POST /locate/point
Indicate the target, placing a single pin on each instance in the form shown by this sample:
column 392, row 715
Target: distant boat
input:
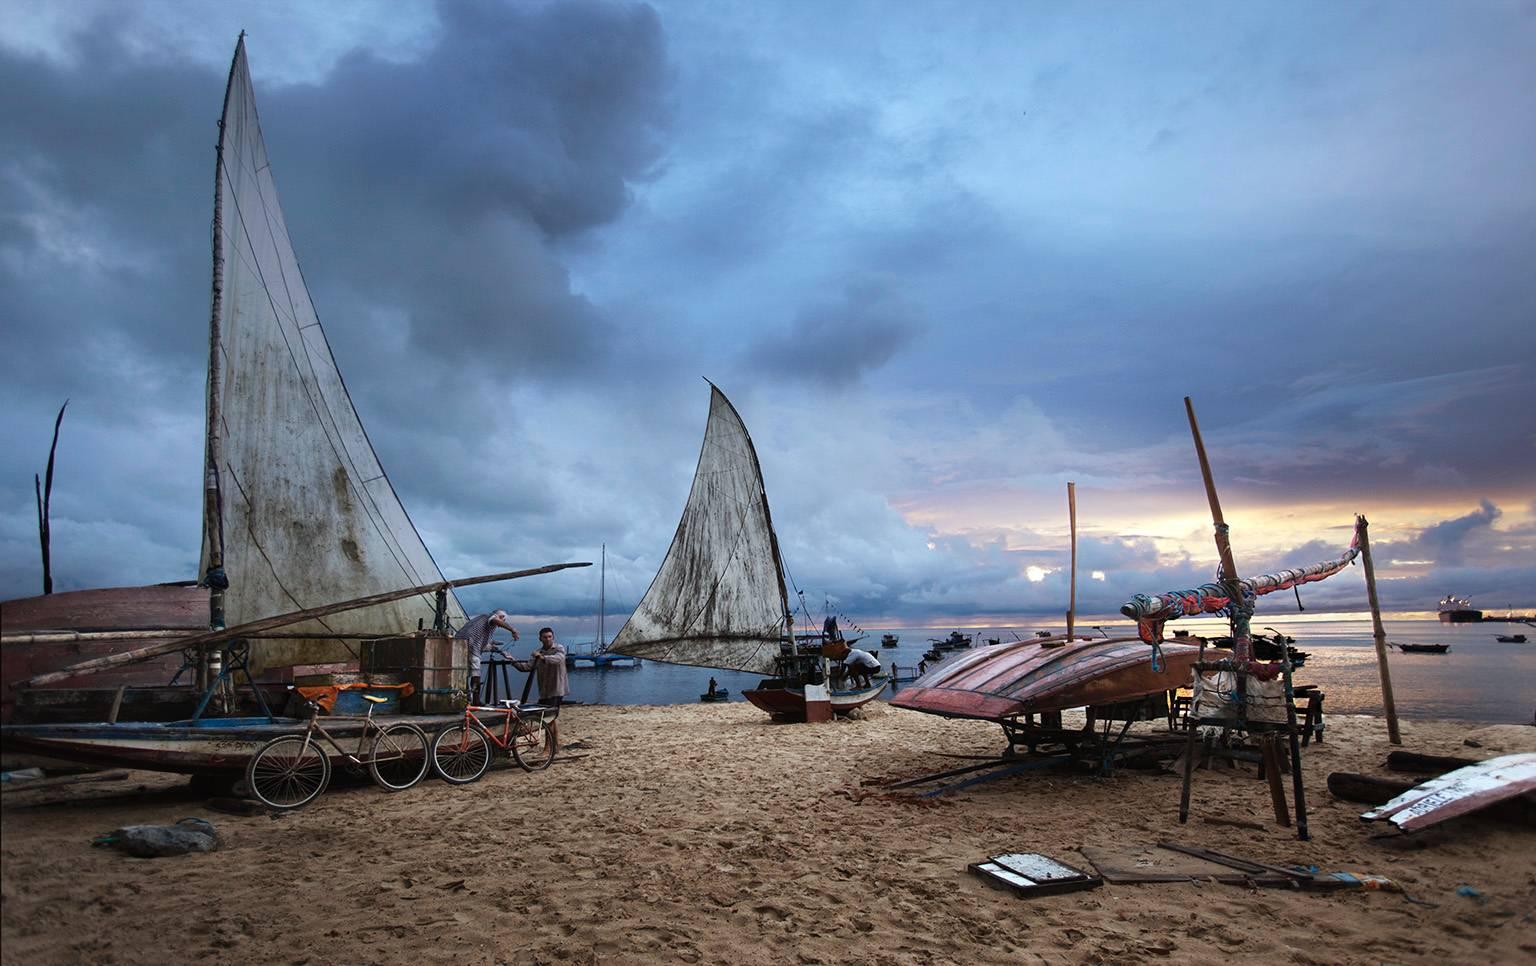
column 1422, row 648
column 956, row 641
column 719, row 694
column 600, row 658
column 1511, row 638
column 1458, row 610
column 719, row 598
column 889, row 640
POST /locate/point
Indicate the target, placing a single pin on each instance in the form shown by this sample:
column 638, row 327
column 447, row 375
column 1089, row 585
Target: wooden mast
column 213, row 511
column 1387, row 702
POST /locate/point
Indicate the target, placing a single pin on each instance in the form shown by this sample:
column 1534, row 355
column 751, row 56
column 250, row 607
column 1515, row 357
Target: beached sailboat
column 719, row 598
column 297, row 512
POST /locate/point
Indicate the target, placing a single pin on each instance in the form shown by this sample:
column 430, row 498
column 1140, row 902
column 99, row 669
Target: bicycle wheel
column 533, row 745
column 288, row 772
column 399, row 758
column 460, row 754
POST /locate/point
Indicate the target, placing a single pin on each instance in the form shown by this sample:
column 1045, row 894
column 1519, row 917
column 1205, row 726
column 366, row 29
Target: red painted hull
column 173, row 608
column 789, row 703
column 1029, row 677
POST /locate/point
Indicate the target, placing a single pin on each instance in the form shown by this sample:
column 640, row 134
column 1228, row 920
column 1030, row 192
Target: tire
column 400, row 757
column 535, row 748
column 460, row 754
column 288, row 772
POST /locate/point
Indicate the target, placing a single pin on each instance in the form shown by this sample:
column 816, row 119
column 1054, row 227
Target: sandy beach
column 708, row 834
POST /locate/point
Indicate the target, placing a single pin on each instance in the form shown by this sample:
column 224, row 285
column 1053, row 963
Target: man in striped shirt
column 476, row 632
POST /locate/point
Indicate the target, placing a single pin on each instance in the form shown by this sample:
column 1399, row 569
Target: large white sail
column 718, row 599
column 308, row 516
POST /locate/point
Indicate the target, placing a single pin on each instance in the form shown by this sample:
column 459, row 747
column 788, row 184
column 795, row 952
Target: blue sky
column 943, row 258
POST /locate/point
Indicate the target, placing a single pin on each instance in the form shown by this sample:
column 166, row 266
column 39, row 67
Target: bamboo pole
column 281, row 620
column 1390, row 706
column 1072, row 515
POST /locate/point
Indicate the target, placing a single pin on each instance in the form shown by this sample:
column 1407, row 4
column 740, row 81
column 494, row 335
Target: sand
column 708, row 834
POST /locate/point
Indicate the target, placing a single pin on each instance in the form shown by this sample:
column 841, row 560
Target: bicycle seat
column 375, row 700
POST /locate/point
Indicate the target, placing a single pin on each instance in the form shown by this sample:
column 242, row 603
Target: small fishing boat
column 956, row 641
column 719, row 694
column 889, row 640
column 1421, row 648
column 1511, row 638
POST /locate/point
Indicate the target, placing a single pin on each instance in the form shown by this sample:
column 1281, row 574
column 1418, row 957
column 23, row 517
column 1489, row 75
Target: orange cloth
column 325, row 695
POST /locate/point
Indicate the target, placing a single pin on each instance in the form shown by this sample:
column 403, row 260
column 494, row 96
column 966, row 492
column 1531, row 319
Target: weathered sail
column 718, row 599
column 308, row 516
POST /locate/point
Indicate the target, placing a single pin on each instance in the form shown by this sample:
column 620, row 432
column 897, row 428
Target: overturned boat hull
column 1459, row 792
column 1048, row 674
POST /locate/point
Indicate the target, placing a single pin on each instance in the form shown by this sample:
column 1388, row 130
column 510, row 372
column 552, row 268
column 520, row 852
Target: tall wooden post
column 1387, row 703
column 1072, row 516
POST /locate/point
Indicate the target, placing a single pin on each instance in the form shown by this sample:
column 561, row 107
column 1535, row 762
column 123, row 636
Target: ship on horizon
column 1458, row 610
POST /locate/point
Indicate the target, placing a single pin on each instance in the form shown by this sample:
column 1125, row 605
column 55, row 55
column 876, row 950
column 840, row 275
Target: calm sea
column 1479, row 679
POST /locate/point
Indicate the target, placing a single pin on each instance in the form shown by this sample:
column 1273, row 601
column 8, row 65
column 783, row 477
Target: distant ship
column 1458, row 610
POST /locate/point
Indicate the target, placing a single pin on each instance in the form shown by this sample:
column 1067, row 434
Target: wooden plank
column 283, row 620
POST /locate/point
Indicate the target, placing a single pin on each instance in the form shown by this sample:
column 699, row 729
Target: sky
column 944, row 258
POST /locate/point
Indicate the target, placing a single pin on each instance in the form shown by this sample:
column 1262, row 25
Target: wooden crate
column 435, row 665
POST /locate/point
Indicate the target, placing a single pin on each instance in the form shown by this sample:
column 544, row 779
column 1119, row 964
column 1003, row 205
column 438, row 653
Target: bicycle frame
column 525, row 724
column 369, row 728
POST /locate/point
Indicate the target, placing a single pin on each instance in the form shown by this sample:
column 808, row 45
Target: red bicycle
column 461, row 753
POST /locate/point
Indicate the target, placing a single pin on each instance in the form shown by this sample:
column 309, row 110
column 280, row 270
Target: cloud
column 843, row 338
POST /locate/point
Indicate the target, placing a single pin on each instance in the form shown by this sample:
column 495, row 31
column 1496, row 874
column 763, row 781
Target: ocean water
column 1479, row 679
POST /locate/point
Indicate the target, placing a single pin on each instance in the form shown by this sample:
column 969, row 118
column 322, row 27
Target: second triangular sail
column 718, row 599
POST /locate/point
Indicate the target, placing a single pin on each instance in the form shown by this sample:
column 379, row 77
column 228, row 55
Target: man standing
column 554, row 684
column 476, row 632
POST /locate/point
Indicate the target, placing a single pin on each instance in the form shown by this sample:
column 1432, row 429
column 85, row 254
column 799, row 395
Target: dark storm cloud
column 857, row 331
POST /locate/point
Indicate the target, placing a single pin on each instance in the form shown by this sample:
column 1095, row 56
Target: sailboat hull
column 211, row 746
column 788, row 704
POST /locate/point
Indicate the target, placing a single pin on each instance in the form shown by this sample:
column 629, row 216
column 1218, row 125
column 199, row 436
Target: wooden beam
column 1387, row 703
column 253, row 628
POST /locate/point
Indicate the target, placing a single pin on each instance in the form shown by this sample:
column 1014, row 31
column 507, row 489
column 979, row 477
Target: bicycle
column 290, row 771
column 461, row 753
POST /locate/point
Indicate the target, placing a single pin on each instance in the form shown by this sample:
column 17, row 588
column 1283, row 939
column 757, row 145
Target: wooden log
column 93, row 776
column 1366, row 789
column 281, row 620
column 1434, row 764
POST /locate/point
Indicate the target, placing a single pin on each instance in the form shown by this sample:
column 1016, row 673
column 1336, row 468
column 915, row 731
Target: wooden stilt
column 1270, row 749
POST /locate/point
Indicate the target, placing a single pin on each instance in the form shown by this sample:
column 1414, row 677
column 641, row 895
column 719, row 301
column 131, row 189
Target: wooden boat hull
column 1032, row 676
column 1424, row 648
column 50, row 632
column 788, row 704
column 1459, row 792
column 208, row 747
